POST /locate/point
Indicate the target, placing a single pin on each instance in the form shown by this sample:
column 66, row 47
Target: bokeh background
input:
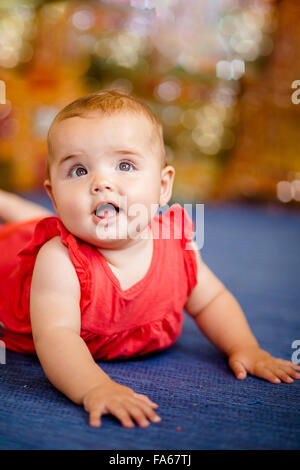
column 218, row 73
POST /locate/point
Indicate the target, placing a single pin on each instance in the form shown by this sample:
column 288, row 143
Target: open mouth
column 106, row 210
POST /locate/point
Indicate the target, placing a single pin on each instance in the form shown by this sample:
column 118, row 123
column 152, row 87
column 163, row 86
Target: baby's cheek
column 71, row 210
column 73, row 202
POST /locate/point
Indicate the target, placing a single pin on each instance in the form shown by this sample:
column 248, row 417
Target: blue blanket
column 255, row 252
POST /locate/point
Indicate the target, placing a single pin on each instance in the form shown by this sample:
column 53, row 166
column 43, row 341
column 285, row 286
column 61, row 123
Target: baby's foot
column 14, row 208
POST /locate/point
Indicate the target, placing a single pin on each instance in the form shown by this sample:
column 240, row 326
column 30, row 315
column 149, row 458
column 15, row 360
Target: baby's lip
column 102, row 203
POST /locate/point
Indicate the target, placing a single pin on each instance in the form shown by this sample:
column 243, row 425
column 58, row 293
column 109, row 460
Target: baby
column 97, row 282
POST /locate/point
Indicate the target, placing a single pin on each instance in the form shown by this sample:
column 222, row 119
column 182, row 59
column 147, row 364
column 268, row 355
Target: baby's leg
column 14, row 208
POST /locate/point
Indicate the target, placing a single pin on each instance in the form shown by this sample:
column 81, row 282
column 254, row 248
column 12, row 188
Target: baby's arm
column 219, row 316
column 64, row 356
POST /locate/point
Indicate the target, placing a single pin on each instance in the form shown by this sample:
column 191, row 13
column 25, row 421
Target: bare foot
column 14, row 208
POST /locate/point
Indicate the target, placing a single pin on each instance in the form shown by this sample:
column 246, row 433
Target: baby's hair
column 107, row 102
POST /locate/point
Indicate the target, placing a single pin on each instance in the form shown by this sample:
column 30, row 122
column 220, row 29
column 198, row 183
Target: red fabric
column 115, row 323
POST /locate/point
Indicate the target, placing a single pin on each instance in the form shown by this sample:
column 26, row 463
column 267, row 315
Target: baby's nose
column 101, row 184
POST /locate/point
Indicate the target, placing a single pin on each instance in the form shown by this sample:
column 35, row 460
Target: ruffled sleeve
column 45, row 230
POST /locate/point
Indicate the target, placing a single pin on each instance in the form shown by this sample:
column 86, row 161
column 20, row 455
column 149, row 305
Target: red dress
column 115, row 323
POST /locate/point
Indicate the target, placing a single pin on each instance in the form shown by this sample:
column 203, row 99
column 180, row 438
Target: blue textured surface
column 255, row 252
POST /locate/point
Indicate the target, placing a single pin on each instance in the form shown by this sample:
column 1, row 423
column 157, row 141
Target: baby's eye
column 126, row 166
column 77, row 171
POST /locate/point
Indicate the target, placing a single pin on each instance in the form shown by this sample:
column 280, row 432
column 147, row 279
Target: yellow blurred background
column 222, row 75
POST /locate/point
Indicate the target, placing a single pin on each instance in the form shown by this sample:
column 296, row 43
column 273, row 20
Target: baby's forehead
column 144, row 136
column 62, row 132
column 131, row 116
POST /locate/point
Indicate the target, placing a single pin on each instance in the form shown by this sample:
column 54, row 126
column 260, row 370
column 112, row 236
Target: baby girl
column 99, row 281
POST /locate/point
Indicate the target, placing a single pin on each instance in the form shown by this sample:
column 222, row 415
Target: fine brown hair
column 107, row 102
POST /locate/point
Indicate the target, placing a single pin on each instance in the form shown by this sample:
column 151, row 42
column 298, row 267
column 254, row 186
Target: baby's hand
column 260, row 363
column 120, row 401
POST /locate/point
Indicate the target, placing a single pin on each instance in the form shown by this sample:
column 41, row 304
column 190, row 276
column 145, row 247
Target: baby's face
column 113, row 159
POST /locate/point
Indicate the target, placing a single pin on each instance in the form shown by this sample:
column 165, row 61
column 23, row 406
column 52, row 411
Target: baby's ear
column 167, row 179
column 48, row 188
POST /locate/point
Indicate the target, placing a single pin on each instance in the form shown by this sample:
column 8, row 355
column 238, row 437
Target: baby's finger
column 145, row 398
column 238, row 369
column 147, row 410
column 137, row 413
column 290, row 371
column 95, row 420
column 289, row 363
column 282, row 374
column 266, row 374
column 121, row 413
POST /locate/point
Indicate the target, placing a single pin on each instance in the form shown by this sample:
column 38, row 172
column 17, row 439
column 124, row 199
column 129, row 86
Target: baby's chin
column 111, row 235
column 106, row 240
